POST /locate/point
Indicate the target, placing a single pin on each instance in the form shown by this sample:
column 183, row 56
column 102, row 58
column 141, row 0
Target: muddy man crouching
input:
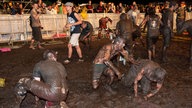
column 145, row 71
column 49, row 81
column 187, row 25
column 102, row 61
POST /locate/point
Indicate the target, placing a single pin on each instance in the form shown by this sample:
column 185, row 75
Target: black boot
column 21, row 90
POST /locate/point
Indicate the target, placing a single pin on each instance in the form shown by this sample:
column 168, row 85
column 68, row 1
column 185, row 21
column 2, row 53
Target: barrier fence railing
column 16, row 27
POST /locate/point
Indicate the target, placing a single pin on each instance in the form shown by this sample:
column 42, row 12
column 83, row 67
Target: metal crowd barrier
column 16, row 28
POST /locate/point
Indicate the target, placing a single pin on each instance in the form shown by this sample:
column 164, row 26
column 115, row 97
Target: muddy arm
column 110, row 20
column 144, row 21
column 127, row 56
column 117, row 29
column 182, row 28
column 112, row 67
column 86, row 35
column 139, row 76
column 154, row 91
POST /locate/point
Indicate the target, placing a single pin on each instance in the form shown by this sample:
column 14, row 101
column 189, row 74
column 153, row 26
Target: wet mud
column 175, row 93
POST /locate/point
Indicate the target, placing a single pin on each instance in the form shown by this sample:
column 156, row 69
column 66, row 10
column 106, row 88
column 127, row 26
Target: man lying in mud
column 145, row 71
column 49, row 81
column 187, row 25
column 102, row 61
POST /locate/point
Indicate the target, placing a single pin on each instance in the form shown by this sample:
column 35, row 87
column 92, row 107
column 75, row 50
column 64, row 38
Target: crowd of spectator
column 59, row 8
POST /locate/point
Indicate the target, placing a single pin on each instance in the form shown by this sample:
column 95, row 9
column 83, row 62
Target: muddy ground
column 175, row 93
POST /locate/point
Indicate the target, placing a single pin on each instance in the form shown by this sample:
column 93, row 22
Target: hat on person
column 69, row 4
column 58, row 2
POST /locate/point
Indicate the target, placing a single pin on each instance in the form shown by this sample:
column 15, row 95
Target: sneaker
column 80, row 60
column 67, row 61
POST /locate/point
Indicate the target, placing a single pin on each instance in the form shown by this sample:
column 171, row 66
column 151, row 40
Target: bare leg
column 149, row 54
column 39, row 45
column 99, row 34
column 111, row 75
column 70, row 50
column 32, row 44
column 78, row 49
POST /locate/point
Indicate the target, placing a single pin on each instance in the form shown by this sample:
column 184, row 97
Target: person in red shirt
column 103, row 26
column 89, row 7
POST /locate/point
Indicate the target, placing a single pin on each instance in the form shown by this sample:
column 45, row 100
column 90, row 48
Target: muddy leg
column 20, row 91
column 146, row 85
column 190, row 67
column 111, row 74
column 129, row 78
column 99, row 34
column 164, row 55
column 32, row 44
column 153, row 51
column 95, row 84
column 89, row 42
column 149, row 54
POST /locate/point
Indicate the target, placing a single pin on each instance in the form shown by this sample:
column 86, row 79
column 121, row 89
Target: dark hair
column 123, row 16
column 151, row 11
column 160, row 74
column 172, row 3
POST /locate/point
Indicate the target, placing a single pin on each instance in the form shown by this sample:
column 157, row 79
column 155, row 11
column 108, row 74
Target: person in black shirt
column 167, row 28
column 87, row 30
column 153, row 22
column 74, row 24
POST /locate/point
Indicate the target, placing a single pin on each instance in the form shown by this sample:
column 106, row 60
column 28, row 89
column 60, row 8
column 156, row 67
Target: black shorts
column 151, row 41
column 36, row 34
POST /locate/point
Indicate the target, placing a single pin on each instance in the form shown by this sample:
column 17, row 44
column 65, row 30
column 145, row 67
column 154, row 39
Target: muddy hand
column 145, row 98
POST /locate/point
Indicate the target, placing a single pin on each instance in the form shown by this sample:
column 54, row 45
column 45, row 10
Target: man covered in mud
column 124, row 30
column 49, row 81
column 187, row 25
column 102, row 61
column 145, row 71
column 167, row 27
column 87, row 30
column 153, row 22
column 103, row 26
